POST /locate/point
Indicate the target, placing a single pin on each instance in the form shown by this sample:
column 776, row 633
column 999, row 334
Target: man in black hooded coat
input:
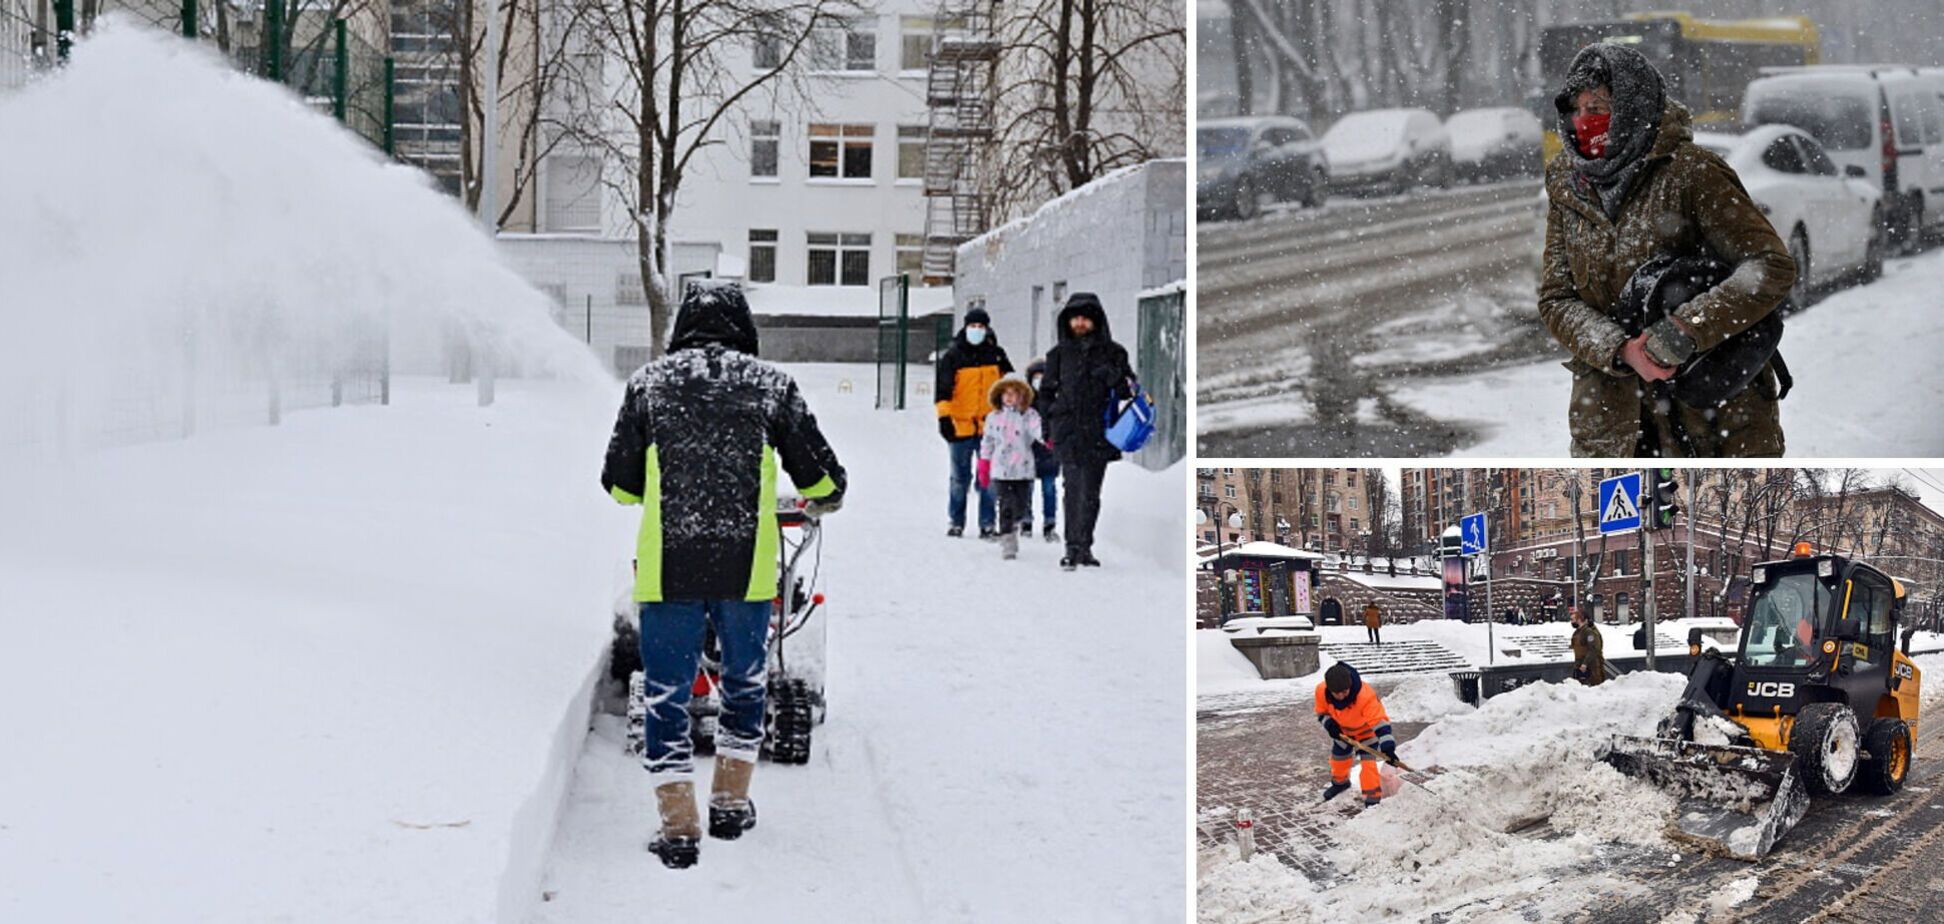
column 702, row 436
column 1086, row 373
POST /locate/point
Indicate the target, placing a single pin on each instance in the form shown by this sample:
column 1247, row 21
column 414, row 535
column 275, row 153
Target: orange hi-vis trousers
column 1340, row 757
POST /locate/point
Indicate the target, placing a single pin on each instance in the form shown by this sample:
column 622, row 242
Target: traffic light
column 1663, row 498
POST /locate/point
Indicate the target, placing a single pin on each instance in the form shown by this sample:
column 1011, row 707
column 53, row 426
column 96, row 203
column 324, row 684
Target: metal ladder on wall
column 958, row 91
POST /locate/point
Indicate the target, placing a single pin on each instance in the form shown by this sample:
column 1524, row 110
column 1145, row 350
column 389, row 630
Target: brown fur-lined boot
column 679, row 843
column 730, row 810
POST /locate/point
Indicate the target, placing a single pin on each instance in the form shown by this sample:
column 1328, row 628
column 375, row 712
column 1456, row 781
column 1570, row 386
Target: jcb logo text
column 1771, row 689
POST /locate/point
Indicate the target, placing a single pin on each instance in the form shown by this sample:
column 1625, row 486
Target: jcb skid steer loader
column 1816, row 700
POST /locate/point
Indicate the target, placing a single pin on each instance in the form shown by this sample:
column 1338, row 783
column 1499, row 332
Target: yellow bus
column 1706, row 63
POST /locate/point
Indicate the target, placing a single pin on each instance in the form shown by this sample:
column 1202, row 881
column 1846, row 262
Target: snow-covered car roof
column 1474, row 132
column 1744, row 151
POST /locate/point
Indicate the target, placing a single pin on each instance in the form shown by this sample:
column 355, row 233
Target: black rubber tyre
column 1826, row 744
column 1873, row 256
column 1888, row 742
column 1247, row 200
column 1319, row 190
column 789, row 717
column 624, row 654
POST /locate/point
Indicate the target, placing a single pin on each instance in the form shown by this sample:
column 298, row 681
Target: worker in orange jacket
column 1350, row 711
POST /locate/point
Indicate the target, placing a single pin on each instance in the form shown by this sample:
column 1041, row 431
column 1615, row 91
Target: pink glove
column 985, row 474
column 1634, row 354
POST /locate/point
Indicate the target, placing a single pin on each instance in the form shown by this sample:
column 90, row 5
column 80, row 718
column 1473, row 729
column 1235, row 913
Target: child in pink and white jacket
column 1006, row 455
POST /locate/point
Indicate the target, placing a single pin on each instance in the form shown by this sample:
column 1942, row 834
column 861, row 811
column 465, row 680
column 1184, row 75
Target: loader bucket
column 1735, row 801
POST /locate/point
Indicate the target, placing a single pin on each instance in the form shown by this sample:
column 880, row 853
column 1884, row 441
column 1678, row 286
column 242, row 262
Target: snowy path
column 1005, row 740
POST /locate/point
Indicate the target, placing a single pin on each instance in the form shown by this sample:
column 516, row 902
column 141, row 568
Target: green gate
column 893, row 340
column 1162, row 364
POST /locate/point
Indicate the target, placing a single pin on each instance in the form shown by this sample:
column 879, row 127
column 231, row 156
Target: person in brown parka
column 1634, row 188
column 1589, row 651
column 1373, row 620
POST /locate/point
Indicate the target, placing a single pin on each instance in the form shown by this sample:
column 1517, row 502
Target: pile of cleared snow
column 1230, row 890
column 1424, row 698
column 1523, row 757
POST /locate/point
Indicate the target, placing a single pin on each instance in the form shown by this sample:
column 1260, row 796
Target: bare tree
column 677, row 70
column 1085, row 87
column 537, row 77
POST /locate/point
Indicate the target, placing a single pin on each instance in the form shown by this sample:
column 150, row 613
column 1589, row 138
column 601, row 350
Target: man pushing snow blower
column 1353, row 717
column 701, row 434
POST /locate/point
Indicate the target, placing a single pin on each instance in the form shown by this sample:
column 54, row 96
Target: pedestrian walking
column 1349, row 710
column 1047, row 467
column 1373, row 621
column 700, row 436
column 1631, row 186
column 1006, row 457
column 965, row 374
column 1086, row 372
column 1589, row 651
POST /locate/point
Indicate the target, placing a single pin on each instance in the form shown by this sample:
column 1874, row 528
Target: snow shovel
column 1418, row 781
column 1735, row 801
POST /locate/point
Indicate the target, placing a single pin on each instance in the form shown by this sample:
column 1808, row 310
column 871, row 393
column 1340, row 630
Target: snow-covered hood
column 1365, row 141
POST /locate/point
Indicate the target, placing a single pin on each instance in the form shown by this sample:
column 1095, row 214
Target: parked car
column 1888, row 120
column 1389, row 150
column 1251, row 622
column 1495, row 143
column 1243, row 162
column 1829, row 215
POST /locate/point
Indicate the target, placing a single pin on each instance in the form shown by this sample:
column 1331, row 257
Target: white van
column 1886, row 119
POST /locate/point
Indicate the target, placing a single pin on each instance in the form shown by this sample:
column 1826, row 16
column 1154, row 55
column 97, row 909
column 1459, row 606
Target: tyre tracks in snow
column 1304, row 318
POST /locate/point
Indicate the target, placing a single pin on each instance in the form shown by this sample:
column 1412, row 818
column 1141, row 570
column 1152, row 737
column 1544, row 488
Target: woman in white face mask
column 966, row 372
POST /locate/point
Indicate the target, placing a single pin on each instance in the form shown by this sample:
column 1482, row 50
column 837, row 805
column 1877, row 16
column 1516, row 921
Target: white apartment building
column 824, row 193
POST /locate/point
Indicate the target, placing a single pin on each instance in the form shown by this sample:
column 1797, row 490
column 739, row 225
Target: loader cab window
column 1871, row 603
column 1782, row 626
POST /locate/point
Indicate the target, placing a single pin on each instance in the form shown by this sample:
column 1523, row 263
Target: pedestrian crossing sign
column 1620, row 504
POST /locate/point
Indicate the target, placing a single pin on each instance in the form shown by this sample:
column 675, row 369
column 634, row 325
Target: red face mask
column 1591, row 129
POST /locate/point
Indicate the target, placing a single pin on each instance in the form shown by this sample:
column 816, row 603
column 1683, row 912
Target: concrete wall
column 1116, row 237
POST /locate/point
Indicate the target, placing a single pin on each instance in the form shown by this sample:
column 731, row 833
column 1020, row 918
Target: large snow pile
column 1424, row 698
column 176, row 229
column 1522, row 758
column 333, row 670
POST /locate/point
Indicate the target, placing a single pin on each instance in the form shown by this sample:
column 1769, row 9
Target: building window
column 840, row 151
column 573, row 193
column 850, row 46
column 840, row 259
column 767, row 52
column 915, row 33
column 764, row 139
column 911, row 152
column 762, row 255
column 1228, row 490
column 911, row 254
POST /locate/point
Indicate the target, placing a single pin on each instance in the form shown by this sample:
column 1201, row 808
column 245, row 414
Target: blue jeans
column 963, row 452
column 1050, row 498
column 671, row 653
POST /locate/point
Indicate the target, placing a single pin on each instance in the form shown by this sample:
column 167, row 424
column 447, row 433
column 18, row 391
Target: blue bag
column 1130, row 422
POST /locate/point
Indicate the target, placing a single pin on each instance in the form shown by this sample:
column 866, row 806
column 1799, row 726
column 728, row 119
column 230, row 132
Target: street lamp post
column 1234, row 522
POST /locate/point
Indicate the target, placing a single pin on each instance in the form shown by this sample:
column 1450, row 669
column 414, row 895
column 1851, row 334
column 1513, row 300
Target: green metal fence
column 1162, row 364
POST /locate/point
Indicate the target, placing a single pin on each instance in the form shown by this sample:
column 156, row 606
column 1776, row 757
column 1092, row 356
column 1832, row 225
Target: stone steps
column 1405, row 656
column 1560, row 647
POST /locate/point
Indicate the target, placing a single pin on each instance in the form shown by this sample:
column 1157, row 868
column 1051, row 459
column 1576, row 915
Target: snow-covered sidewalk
column 1854, row 355
column 1004, row 743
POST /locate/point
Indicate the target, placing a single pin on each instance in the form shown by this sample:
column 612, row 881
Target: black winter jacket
column 1084, row 375
column 701, row 434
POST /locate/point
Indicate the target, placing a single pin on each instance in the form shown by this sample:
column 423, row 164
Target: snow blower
column 795, row 699
column 1817, row 699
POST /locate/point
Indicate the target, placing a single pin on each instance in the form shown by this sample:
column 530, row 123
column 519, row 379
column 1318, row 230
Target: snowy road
column 1303, row 317
column 1420, row 341
column 1005, row 740
column 1864, row 361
